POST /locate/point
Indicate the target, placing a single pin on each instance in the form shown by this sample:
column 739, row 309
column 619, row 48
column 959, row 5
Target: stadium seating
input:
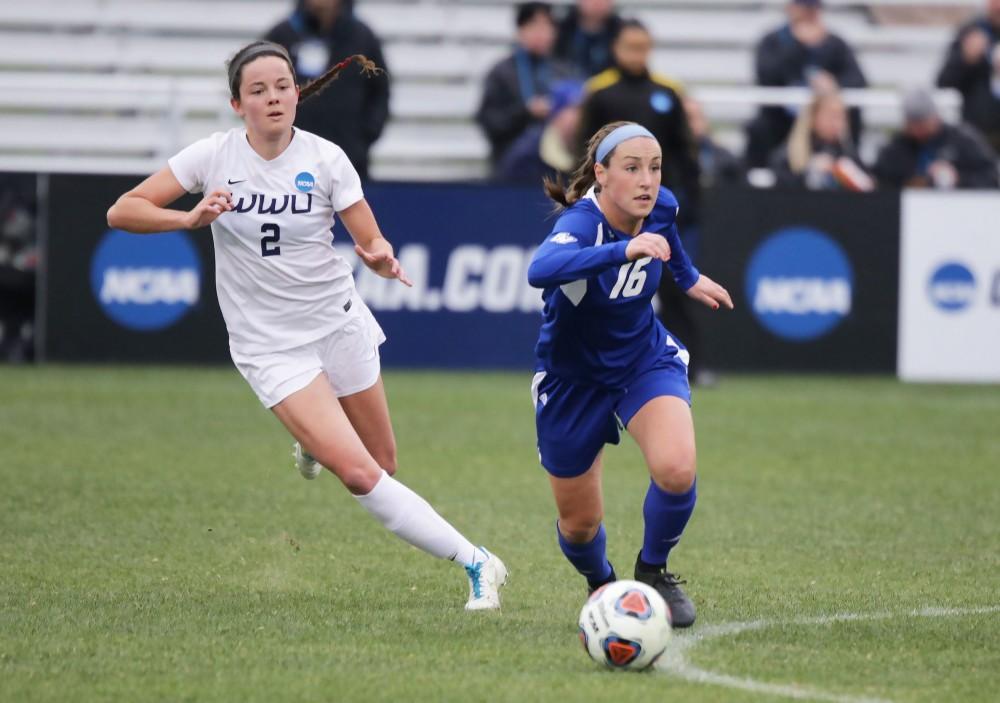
column 112, row 85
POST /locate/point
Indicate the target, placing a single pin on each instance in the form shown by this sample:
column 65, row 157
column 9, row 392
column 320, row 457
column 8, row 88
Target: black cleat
column 593, row 587
column 668, row 585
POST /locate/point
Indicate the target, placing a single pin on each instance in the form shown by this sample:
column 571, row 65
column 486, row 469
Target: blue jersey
column 599, row 327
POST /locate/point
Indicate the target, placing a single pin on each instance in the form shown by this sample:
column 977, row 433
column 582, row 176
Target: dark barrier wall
column 467, row 249
column 118, row 297
column 125, row 297
column 813, row 275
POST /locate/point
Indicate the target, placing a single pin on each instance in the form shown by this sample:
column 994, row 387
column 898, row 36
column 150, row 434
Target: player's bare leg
column 664, row 430
column 580, row 504
column 368, row 412
column 315, row 418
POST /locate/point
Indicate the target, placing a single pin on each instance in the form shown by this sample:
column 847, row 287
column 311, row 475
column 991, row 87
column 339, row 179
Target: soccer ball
column 625, row 625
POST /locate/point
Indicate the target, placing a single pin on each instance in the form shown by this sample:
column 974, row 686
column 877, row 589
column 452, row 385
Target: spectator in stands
column 586, row 34
column 931, row 154
column 801, row 53
column 972, row 66
column 630, row 92
column 516, row 91
column 820, row 154
column 547, row 151
column 718, row 165
column 318, row 35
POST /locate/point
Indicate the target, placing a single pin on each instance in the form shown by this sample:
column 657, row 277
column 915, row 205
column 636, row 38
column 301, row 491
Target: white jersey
column 279, row 280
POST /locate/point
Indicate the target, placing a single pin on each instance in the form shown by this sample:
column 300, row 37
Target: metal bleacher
column 119, row 85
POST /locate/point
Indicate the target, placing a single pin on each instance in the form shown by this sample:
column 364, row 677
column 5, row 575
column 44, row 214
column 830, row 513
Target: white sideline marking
column 675, row 659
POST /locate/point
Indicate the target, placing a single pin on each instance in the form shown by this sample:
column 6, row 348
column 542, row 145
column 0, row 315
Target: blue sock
column 665, row 514
column 589, row 558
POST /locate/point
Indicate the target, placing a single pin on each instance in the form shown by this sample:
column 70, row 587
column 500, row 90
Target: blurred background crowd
column 802, row 94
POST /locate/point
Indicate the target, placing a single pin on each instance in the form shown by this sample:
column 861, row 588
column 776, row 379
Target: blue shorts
column 575, row 421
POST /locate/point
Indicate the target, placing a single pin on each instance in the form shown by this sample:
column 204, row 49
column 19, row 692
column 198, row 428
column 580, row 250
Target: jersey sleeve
column 571, row 252
column 191, row 165
column 664, row 221
column 345, row 183
column 681, row 268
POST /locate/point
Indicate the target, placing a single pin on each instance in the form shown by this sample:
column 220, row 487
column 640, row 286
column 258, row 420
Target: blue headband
column 619, row 135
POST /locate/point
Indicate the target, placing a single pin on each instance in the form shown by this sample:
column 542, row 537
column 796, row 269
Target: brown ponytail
column 318, row 85
column 257, row 49
column 583, row 177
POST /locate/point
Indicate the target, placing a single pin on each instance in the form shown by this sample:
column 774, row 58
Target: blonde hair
column 800, row 140
column 583, row 177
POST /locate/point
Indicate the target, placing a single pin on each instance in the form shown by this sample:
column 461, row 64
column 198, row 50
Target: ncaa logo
column 952, row 287
column 145, row 283
column 305, row 182
column 800, row 284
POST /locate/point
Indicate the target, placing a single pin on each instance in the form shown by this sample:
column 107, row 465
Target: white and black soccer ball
column 625, row 625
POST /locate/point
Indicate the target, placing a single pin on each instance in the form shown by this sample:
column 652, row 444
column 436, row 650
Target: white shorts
column 348, row 355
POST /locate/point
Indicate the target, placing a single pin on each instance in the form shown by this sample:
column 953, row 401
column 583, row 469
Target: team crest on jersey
column 563, row 238
column 305, row 182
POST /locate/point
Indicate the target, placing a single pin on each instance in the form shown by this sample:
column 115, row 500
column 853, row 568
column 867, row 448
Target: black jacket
column 783, row 61
column 510, row 84
column 353, row 110
column 653, row 102
column 902, row 160
column 980, row 107
column 589, row 54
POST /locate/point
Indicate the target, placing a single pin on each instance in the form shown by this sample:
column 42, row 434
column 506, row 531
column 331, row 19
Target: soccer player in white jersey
column 298, row 332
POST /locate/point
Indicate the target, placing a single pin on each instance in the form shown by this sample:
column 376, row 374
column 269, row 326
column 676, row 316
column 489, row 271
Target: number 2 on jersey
column 274, row 238
column 631, row 279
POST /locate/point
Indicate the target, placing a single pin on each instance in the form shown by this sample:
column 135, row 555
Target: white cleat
column 305, row 463
column 485, row 580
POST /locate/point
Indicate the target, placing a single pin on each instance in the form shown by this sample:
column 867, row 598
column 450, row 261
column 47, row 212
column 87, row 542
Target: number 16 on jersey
column 631, row 279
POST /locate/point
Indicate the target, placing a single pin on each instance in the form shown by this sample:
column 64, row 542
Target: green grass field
column 157, row 544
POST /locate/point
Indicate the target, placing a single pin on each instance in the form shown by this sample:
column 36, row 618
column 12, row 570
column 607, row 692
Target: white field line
column 675, row 660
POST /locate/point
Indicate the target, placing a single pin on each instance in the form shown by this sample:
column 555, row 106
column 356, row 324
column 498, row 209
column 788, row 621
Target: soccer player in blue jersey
column 605, row 361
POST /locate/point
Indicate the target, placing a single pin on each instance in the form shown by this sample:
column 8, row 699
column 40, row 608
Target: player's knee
column 386, row 458
column 675, row 474
column 359, row 474
column 580, row 529
column 358, row 478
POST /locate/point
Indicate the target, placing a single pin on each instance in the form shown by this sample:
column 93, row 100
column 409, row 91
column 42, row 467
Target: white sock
column 411, row 518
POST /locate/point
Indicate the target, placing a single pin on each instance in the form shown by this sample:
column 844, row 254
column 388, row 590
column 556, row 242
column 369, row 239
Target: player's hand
column 648, row 244
column 711, row 293
column 380, row 259
column 210, row 207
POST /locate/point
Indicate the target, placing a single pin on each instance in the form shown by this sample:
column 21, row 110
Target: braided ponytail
column 319, row 84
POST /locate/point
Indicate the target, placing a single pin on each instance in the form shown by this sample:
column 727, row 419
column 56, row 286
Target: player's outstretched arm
column 710, row 293
column 143, row 210
column 374, row 249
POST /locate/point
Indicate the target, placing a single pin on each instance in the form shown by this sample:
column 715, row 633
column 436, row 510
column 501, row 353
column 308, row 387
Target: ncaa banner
column 949, row 287
column 813, row 276
column 114, row 296
column 467, row 249
column 119, row 297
